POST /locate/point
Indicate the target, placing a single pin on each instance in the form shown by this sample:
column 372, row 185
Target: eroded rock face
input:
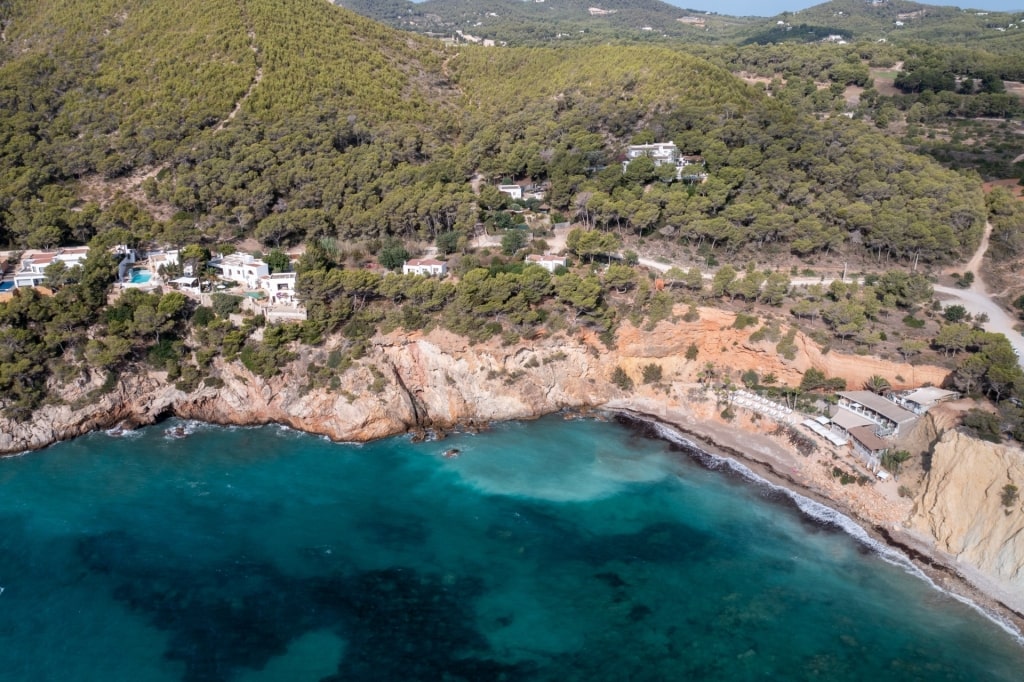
column 961, row 505
column 437, row 380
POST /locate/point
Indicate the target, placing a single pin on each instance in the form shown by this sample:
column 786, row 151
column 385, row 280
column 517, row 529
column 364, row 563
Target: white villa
column 280, row 286
column 241, row 267
column 547, row 261
column 663, row 153
column 425, row 266
column 33, row 263
column 164, row 258
column 514, row 191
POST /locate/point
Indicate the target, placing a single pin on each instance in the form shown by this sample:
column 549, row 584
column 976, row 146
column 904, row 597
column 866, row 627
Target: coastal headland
column 431, row 383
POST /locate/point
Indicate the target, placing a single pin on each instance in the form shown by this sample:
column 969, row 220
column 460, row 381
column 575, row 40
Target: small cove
column 545, row 550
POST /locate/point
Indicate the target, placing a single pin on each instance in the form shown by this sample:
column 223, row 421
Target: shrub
column 621, row 379
column 894, row 459
column 203, row 316
column 651, row 373
column 1009, row 495
column 844, row 477
column 225, row 304
column 378, row 380
column 984, row 425
column 913, row 322
column 786, row 347
column 771, row 332
column 743, row 320
column 955, row 313
column 691, row 351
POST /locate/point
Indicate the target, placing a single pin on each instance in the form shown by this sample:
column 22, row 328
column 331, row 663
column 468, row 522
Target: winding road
column 977, row 300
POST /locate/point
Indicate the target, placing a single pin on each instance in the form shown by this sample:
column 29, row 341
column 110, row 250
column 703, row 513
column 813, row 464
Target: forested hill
column 296, row 120
column 897, row 21
column 518, row 22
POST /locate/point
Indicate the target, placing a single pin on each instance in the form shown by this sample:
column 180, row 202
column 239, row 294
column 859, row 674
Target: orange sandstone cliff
column 438, row 380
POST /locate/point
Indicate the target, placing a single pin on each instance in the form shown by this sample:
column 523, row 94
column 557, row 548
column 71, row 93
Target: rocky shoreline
column 437, row 382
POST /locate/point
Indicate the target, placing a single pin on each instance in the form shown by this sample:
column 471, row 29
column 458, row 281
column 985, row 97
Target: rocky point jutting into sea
column 437, row 381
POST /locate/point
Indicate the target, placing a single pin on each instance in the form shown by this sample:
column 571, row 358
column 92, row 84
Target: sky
column 769, row 8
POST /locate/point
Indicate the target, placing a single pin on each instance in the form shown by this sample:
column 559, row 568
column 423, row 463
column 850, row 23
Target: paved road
column 977, row 302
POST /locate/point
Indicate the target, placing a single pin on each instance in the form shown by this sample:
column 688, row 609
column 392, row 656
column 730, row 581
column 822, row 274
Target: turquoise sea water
column 550, row 550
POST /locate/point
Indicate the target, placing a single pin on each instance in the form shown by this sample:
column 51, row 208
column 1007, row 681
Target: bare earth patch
column 1012, row 184
column 102, row 191
column 1015, row 88
column 884, row 79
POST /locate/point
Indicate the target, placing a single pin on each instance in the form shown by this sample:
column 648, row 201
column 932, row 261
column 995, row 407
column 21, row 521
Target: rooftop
column 239, row 259
column 865, row 435
column 928, row 395
column 850, row 420
column 882, row 406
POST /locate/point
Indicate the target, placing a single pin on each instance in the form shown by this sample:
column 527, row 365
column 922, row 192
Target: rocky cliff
column 961, row 504
column 420, row 381
column 435, row 381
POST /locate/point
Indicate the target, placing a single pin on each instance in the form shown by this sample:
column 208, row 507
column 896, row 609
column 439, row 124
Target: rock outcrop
column 961, row 505
column 416, row 381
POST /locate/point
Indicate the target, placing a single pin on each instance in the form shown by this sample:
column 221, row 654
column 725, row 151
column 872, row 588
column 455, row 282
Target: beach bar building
column 889, row 418
column 920, row 400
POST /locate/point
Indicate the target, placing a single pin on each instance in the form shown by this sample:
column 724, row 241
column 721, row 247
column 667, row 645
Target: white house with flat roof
column 514, row 191
column 688, row 167
column 659, row 152
column 425, row 266
column 280, row 286
column 241, row 267
column 547, row 261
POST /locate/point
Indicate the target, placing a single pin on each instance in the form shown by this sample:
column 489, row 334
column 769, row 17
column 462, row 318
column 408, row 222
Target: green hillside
column 515, row 22
column 297, row 120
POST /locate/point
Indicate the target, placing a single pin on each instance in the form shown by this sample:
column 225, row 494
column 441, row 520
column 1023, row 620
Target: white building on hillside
column 667, row 153
column 280, row 286
column 547, row 261
column 514, row 191
column 33, row 263
column 425, row 266
column 241, row 267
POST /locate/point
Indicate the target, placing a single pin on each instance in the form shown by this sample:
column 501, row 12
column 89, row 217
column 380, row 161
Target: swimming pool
column 140, row 276
column 6, row 286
